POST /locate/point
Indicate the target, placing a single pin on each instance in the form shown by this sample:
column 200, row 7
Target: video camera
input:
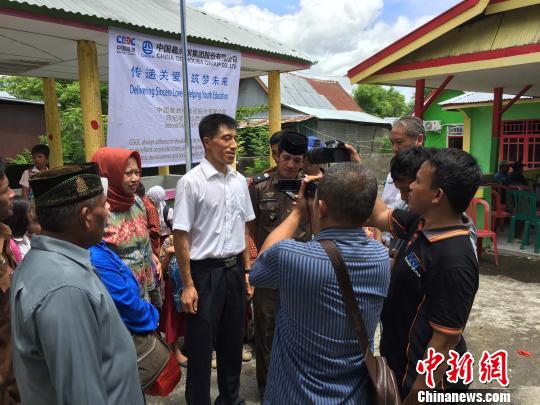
column 333, row 152
column 293, row 186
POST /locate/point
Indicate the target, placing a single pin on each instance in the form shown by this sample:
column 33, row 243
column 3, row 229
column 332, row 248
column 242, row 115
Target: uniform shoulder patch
column 260, row 178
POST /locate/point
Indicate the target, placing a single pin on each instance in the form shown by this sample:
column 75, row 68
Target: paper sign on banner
column 146, row 106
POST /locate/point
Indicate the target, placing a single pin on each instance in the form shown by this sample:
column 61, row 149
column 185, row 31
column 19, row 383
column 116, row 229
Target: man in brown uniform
column 271, row 207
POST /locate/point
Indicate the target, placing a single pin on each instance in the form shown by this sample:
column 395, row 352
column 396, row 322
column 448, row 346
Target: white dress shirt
column 213, row 208
column 391, row 195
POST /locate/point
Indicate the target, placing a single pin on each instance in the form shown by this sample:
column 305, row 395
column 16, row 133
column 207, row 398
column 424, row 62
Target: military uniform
column 271, row 207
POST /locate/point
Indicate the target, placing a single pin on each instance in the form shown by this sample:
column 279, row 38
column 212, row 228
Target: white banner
column 146, row 110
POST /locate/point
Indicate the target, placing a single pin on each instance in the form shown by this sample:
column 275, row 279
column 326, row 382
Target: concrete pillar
column 52, row 122
column 274, row 106
column 90, row 97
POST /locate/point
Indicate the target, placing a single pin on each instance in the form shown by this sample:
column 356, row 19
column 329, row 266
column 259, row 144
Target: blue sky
column 338, row 34
column 391, row 11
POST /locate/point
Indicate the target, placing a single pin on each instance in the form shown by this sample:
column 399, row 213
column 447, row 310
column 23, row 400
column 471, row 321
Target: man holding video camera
column 316, row 357
column 271, row 199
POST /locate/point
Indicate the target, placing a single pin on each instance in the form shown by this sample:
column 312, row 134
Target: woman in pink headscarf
column 127, row 232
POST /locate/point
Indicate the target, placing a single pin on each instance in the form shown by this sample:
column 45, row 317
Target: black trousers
column 264, row 318
column 219, row 323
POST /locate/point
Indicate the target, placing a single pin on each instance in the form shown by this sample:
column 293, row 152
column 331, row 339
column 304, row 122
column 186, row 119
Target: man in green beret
column 69, row 344
column 271, row 207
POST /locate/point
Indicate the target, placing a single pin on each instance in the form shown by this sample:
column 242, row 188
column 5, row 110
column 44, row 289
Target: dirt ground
column 505, row 315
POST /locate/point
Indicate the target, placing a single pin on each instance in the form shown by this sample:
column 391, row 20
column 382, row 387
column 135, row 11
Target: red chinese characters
column 460, row 368
column 491, row 367
column 429, row 365
column 494, row 367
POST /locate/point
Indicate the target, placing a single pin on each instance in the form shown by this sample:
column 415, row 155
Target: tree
column 69, row 98
column 253, row 142
column 379, row 101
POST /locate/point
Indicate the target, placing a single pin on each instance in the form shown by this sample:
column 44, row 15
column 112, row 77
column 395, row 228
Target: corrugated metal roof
column 473, row 98
column 164, row 16
column 329, row 114
column 5, row 96
column 257, row 122
column 295, row 90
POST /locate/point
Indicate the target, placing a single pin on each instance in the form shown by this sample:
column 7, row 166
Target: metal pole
column 185, row 87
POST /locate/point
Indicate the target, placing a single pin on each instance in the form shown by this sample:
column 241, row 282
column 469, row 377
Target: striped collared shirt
column 315, row 355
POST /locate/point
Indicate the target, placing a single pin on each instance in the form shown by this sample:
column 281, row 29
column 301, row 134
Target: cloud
column 337, row 33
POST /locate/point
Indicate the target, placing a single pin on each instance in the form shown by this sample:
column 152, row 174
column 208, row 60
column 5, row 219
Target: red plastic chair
column 498, row 212
column 485, row 232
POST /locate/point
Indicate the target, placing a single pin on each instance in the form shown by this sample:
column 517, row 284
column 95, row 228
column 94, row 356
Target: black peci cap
column 66, row 185
column 294, row 143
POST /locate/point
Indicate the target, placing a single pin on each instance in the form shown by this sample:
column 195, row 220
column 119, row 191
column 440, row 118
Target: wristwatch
column 247, row 271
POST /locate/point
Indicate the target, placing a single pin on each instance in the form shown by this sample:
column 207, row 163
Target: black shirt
column 432, row 286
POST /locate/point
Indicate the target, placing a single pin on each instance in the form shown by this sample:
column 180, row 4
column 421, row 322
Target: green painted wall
column 435, row 112
column 483, row 146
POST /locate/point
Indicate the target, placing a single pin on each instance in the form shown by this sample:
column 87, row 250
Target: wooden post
column 164, row 171
column 52, row 122
column 497, row 112
column 466, row 131
column 90, row 97
column 274, row 106
column 419, row 98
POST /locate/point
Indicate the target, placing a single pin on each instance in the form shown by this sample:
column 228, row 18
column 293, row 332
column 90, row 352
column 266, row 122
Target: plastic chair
column 528, row 204
column 512, row 200
column 524, row 209
column 485, row 231
column 498, row 212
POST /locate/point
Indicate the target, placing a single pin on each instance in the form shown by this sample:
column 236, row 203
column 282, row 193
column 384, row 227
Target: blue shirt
column 138, row 315
column 316, row 357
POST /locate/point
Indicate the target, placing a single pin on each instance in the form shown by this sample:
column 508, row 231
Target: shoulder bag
column 159, row 371
column 384, row 385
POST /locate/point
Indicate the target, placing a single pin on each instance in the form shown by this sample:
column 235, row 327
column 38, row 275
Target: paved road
column 505, row 315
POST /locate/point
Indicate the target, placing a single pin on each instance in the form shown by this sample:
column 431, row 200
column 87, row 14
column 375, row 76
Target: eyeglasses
column 130, row 173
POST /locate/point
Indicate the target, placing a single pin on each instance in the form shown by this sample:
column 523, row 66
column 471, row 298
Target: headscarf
column 112, row 163
column 157, row 195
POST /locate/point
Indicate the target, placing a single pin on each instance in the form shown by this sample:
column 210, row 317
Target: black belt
column 225, row 262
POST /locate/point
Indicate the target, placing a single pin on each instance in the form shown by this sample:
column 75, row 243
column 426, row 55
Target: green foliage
column 258, row 146
column 382, row 145
column 253, row 142
column 379, row 101
column 244, row 113
column 23, row 158
column 69, row 98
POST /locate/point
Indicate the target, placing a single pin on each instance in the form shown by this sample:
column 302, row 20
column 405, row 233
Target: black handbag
column 384, row 386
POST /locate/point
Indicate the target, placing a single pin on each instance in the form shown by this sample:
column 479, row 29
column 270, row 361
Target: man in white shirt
column 211, row 210
column 406, row 133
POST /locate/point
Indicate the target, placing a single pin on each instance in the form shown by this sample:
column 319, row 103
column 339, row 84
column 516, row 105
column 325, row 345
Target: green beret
column 66, row 185
column 294, row 143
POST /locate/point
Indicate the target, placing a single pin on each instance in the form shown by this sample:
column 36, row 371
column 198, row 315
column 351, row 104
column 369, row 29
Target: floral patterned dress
column 127, row 234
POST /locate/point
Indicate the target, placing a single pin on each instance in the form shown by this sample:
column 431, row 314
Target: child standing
column 22, row 226
column 40, row 158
